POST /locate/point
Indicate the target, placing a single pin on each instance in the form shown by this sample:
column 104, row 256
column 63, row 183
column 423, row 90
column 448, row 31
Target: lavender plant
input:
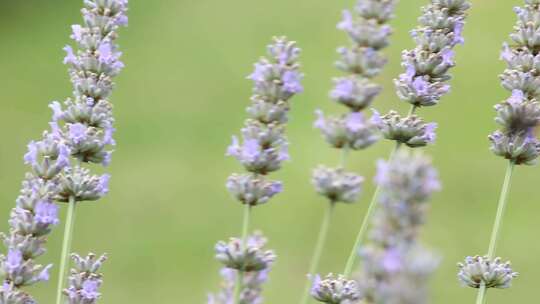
column 262, row 150
column 369, row 33
column 515, row 141
column 396, row 266
column 86, row 121
column 81, row 130
column 423, row 84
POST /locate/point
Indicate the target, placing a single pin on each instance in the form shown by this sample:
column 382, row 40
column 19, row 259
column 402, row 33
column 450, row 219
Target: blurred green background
column 183, row 95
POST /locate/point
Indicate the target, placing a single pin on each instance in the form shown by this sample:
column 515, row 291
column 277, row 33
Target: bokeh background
column 183, row 95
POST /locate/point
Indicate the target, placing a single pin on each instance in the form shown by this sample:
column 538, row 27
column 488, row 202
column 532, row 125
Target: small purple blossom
column 347, row 21
column 291, row 82
column 516, row 98
column 70, row 55
column 448, row 57
column 14, row 260
column 458, row 30
column 44, row 274
column 46, row 213
column 392, row 261
column 57, row 110
column 420, row 86
column 355, row 121
column 103, row 185
column 90, row 290
column 344, row 89
column 77, row 133
column 30, row 158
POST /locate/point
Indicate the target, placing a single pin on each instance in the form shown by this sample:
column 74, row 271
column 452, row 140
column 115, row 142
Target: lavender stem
column 66, row 248
column 495, row 233
column 321, row 240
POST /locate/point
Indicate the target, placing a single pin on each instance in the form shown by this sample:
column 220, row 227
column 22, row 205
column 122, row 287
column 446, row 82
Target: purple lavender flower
column 85, row 279
column 251, row 258
column 396, row 267
column 46, row 213
column 520, row 113
column 335, row 290
column 492, row 273
column 79, row 184
column 277, row 78
column 352, row 131
column 251, row 292
column 252, row 190
column 411, row 130
column 13, row 261
column 262, row 150
column 337, row 185
column 291, row 82
column 427, row 65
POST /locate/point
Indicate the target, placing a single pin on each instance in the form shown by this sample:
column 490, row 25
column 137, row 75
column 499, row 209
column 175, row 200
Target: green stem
column 412, row 110
column 66, row 248
column 321, row 240
column 343, row 159
column 496, row 231
column 240, row 276
column 365, row 223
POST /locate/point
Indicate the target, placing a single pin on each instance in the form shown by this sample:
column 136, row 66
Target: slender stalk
column 66, row 248
column 496, row 231
column 363, row 227
column 321, row 240
column 344, row 155
column 412, row 110
column 240, row 275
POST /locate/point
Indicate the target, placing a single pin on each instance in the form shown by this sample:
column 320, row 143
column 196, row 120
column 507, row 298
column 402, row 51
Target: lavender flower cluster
column 520, row 113
column 395, row 266
column 262, row 150
column 367, row 29
column 427, row 65
column 85, row 279
column 82, row 131
column 253, row 260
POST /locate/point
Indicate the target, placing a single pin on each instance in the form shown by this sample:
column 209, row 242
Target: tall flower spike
column 396, row 267
column 520, row 113
column 427, row 65
column 427, row 68
column 262, row 149
column 367, row 29
column 85, row 121
column 517, row 116
column 368, row 32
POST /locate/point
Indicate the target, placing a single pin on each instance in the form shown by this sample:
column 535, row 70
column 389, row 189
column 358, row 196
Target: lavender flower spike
column 427, row 65
column 396, row 266
column 518, row 116
column 368, row 31
column 427, row 68
column 85, row 121
column 262, row 149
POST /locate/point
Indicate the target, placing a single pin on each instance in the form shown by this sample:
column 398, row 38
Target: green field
column 181, row 97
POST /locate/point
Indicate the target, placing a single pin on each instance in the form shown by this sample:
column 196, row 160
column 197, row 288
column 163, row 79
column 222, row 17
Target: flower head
column 337, row 185
column 248, row 257
column 335, row 290
column 492, row 273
